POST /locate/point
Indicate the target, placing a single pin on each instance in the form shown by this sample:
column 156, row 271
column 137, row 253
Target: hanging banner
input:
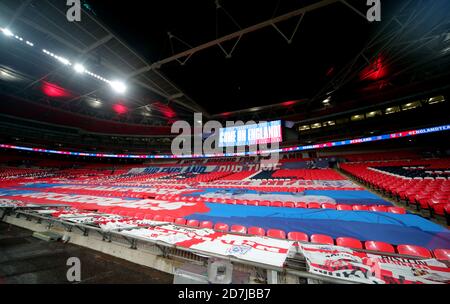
column 250, row 248
column 359, row 267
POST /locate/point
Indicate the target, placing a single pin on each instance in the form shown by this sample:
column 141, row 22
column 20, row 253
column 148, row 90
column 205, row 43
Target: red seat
column 221, row 227
column 139, row 216
column 442, row 254
column 180, row 221
column 378, row 208
column 328, row 206
column 322, row 239
column 256, row 231
column 298, row 236
column 301, row 205
column 275, row 233
column 169, row 219
column 238, row 229
column 289, row 204
column 193, row 223
column 158, row 218
column 149, row 216
column 397, row 210
column 264, row 203
column 379, row 246
column 349, row 242
column 206, row 224
column 252, row 203
column 314, row 206
column 276, row 204
column 360, row 208
column 344, row 207
column 414, row 251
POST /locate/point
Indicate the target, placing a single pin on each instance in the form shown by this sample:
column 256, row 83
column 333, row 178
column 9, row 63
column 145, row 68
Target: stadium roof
column 227, row 59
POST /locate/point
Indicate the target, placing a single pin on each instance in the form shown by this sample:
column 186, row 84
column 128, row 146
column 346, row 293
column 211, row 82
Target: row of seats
column 412, row 250
column 429, row 195
column 267, row 203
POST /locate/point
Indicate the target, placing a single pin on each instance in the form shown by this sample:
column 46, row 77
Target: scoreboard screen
column 248, row 135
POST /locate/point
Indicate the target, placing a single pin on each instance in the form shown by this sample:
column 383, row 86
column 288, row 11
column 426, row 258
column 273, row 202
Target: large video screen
column 248, row 135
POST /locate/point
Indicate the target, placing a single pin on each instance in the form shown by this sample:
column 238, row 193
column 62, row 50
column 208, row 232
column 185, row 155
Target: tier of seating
column 428, row 194
column 371, row 245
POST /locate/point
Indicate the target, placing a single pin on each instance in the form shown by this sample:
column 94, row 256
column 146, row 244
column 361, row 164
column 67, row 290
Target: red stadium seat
column 442, row 254
column 289, row 204
column 322, row 239
column 149, row 217
column 192, row 223
column 360, row 208
column 328, row 206
column 275, row 233
column 397, row 210
column 344, row 207
column 238, row 229
column 158, row 218
column 256, row 231
column 314, row 206
column 221, row 227
column 140, row 216
column 252, row 203
column 206, row 224
column 379, row 246
column 169, row 219
column 378, row 208
column 298, row 236
column 414, row 251
column 301, row 205
column 264, row 203
column 349, row 242
column 180, row 221
column 276, row 204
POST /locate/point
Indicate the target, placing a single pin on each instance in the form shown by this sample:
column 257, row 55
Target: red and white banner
column 250, row 248
column 347, row 264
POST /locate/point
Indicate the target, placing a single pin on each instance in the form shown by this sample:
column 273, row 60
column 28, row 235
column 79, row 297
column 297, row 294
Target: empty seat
column 193, row 223
column 349, row 242
column 256, row 231
column 221, row 227
column 252, row 203
column 442, row 254
column 180, row 221
column 328, row 206
column 379, row 246
column 206, row 224
column 301, row 205
column 378, row 208
column 289, row 204
column 298, row 236
column 169, row 219
column 238, row 229
column 360, row 208
column 344, row 207
column 314, row 206
column 139, row 216
column 414, row 251
column 276, row 204
column 158, row 218
column 264, row 203
column 275, row 233
column 322, row 239
column 397, row 210
column 149, row 216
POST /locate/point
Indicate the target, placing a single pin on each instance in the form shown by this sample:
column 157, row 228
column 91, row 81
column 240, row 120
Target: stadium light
column 326, row 101
column 79, row 68
column 118, row 86
column 7, row 32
